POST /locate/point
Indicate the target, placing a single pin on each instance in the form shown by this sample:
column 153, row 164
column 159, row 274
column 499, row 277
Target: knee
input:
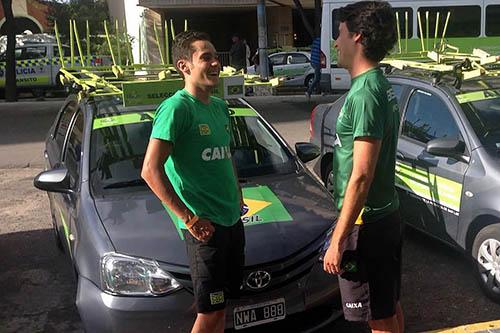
column 389, row 325
column 213, row 317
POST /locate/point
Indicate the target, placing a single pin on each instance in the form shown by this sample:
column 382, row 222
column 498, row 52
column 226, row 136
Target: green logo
column 217, row 297
column 204, row 129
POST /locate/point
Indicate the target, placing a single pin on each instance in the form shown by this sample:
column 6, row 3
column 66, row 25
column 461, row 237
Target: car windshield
column 484, row 117
column 119, row 141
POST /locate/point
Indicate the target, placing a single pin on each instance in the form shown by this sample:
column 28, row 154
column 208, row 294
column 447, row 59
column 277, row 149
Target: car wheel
column 486, row 254
column 328, row 177
column 309, row 80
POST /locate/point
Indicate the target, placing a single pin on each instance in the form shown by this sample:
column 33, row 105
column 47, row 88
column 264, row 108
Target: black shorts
column 371, row 280
column 216, row 266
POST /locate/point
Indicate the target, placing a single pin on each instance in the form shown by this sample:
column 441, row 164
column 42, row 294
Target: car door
column 278, row 63
column 433, row 183
column 64, row 204
column 32, row 68
column 297, row 65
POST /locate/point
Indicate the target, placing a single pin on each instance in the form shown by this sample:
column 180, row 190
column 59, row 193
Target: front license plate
column 257, row 314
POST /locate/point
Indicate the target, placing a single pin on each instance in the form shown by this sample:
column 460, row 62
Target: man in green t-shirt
column 365, row 248
column 188, row 166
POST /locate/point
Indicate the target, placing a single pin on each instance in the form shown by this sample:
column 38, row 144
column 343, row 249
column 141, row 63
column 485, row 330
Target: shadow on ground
column 37, row 285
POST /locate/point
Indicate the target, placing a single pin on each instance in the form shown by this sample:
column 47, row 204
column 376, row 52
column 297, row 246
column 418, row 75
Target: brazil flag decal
column 263, row 207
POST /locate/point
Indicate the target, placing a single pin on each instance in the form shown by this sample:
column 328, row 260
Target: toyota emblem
column 258, row 279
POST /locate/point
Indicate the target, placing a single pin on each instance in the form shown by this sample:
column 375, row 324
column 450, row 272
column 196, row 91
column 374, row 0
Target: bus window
column 492, row 22
column 401, row 13
column 465, row 21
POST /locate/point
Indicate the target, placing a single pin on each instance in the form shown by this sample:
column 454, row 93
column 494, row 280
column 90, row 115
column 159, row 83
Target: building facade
column 29, row 15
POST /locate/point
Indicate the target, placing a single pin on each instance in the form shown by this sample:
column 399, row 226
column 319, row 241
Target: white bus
column 472, row 24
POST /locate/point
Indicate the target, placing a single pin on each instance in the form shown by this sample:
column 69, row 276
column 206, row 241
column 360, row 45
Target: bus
column 471, row 24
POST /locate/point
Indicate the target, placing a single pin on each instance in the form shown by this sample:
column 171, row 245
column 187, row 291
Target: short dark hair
column 376, row 22
column 182, row 46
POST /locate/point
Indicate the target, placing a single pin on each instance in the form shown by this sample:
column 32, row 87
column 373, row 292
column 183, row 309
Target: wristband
column 191, row 221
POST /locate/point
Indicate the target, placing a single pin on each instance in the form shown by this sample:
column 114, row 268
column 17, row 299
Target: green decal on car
column 263, row 207
column 477, row 96
column 242, row 112
column 434, row 189
column 123, row 119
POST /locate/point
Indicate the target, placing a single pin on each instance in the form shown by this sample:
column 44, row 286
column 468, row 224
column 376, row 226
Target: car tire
column 309, row 80
column 486, row 254
column 328, row 177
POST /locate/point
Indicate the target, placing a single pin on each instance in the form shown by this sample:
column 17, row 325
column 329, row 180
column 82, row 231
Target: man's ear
column 183, row 66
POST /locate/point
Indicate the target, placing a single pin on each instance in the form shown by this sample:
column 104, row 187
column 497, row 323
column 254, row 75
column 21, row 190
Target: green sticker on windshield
column 123, row 119
column 478, row 96
column 242, row 112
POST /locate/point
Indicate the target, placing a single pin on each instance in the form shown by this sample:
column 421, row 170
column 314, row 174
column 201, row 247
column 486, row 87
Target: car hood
column 286, row 214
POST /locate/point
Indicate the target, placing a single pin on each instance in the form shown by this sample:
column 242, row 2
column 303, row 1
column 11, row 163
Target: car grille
column 283, row 272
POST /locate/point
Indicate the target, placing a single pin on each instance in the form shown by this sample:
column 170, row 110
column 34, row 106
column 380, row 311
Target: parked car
column 129, row 260
column 448, row 162
column 294, row 66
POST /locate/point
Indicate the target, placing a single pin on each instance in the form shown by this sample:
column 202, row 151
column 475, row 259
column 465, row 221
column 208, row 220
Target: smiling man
column 365, row 247
column 188, row 166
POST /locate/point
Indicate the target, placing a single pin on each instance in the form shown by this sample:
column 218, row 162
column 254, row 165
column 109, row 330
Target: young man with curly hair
column 203, row 193
column 365, row 249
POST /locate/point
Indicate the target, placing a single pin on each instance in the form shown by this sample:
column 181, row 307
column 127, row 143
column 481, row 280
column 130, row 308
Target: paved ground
column 36, row 286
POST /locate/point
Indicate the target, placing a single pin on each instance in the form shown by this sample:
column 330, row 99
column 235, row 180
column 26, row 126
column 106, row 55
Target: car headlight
column 130, row 276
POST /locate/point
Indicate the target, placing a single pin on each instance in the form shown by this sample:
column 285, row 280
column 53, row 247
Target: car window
column 297, row 58
column 277, row 59
column 66, row 51
column 117, row 151
column 73, row 153
column 32, row 52
column 63, row 124
column 484, row 117
column 427, row 117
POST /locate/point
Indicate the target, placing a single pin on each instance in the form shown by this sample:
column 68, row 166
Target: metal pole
column 78, row 44
column 59, row 45
column 262, row 31
column 71, row 44
column 89, row 56
column 167, row 44
column 140, row 43
column 109, row 42
column 117, row 33
column 399, row 32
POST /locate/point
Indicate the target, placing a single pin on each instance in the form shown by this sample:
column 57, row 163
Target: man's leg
column 387, row 325
column 209, row 322
column 400, row 318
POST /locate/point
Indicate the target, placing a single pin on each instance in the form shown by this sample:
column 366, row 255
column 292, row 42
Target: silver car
column 130, row 260
column 294, row 66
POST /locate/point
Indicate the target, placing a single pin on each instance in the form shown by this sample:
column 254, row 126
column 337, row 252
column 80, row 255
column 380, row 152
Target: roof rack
column 462, row 66
column 142, row 84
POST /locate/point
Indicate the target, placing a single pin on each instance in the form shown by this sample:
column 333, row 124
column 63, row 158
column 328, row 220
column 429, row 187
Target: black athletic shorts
column 371, row 279
column 216, row 266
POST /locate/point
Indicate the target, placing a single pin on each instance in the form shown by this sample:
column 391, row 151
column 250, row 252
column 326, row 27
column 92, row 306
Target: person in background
column 316, row 64
column 237, row 53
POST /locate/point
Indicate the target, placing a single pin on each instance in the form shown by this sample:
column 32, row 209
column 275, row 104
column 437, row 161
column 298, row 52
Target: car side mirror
column 306, row 151
column 55, row 180
column 447, row 147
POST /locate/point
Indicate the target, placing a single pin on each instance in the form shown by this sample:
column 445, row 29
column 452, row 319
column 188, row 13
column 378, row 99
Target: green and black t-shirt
column 199, row 167
column 370, row 110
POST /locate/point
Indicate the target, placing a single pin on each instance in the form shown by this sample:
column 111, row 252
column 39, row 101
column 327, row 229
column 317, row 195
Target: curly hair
column 376, row 22
column 182, row 46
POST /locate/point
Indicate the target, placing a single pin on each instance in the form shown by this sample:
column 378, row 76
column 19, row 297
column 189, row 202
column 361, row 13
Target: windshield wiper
column 128, row 183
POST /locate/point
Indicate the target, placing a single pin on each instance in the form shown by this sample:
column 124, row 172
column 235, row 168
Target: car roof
column 287, row 52
column 109, row 105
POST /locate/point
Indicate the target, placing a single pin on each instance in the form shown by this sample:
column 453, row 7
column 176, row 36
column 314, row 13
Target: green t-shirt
column 370, row 110
column 199, row 167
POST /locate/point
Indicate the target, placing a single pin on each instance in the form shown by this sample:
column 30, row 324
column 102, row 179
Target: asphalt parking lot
column 36, row 282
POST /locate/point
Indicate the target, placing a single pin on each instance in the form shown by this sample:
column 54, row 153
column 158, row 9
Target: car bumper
column 101, row 312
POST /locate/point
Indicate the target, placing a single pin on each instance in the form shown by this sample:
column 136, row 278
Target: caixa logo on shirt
column 216, row 153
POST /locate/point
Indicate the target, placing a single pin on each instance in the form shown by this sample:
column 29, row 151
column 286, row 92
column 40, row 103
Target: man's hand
column 202, row 230
column 333, row 258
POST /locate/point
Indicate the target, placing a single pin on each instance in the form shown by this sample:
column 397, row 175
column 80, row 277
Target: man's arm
column 153, row 173
column 365, row 157
column 238, row 187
